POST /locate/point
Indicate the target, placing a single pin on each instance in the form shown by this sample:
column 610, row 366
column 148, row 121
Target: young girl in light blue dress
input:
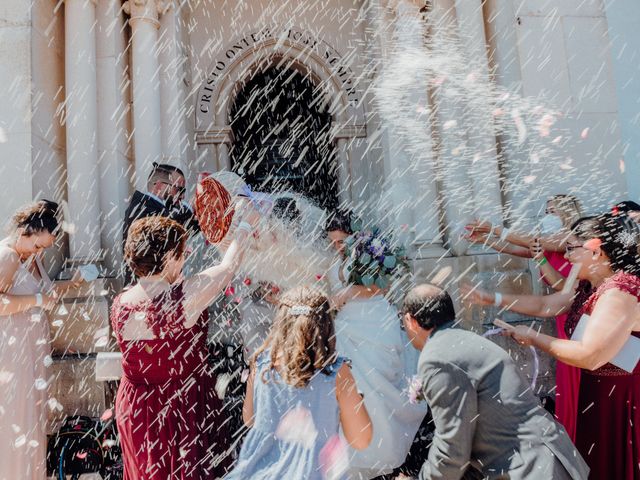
column 299, row 394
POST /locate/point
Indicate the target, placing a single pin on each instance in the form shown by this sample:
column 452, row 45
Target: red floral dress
column 167, row 413
column 608, row 423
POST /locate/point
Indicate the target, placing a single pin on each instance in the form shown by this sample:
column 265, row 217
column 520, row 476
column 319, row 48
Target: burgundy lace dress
column 167, row 413
column 608, row 423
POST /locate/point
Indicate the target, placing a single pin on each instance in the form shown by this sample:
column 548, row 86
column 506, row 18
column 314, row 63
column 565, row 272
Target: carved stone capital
column 143, row 11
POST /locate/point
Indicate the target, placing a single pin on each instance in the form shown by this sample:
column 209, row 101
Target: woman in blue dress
column 302, row 403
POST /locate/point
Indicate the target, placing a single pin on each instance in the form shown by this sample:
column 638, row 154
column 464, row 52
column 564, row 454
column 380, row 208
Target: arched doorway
column 282, row 138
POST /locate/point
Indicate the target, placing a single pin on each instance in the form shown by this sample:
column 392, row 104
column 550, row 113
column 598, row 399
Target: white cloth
column 368, row 332
column 24, row 344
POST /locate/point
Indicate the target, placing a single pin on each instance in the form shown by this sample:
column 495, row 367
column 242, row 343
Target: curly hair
column 36, row 217
column 302, row 339
column 150, row 242
column 619, row 235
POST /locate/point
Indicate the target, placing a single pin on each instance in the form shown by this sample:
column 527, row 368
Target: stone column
column 112, row 126
column 484, row 171
column 224, row 162
column 81, row 128
column 172, row 102
column 146, row 86
column 414, row 190
column 457, row 189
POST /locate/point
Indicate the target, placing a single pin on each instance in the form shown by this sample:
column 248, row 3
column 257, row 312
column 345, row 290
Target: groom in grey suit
column 485, row 414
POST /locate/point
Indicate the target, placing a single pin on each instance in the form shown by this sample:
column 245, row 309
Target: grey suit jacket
column 486, row 416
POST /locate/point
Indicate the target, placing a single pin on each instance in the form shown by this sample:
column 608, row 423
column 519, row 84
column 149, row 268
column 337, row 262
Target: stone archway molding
column 254, row 52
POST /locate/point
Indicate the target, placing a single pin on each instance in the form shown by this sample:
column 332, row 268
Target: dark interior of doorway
column 282, row 139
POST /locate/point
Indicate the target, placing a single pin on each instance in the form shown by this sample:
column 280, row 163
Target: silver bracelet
column 245, row 226
column 497, row 299
column 38, row 299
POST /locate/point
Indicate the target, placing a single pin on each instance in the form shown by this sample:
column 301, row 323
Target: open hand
column 479, row 226
column 521, row 334
column 535, row 249
column 475, row 295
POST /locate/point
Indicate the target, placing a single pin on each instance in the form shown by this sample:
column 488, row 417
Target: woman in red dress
column 547, row 249
column 167, row 413
column 607, row 433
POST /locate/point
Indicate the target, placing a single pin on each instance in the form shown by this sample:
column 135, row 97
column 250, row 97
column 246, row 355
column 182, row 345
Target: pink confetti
column 621, row 165
column 498, row 112
column 230, row 291
column 108, row 413
column 81, row 455
column 334, row 458
column 247, row 281
column 297, row 426
column 545, row 124
column 520, row 126
column 529, row 179
column 585, row 133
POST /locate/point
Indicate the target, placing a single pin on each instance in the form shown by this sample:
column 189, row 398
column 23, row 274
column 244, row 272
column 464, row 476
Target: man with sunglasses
column 484, row 412
column 164, row 197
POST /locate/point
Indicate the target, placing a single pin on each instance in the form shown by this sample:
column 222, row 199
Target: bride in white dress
column 368, row 332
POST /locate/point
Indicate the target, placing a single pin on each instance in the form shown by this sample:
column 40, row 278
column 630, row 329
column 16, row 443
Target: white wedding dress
column 368, row 332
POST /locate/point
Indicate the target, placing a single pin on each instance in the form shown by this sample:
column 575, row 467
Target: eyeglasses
column 570, row 248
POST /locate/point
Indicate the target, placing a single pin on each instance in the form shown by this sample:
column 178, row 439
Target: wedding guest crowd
column 326, row 391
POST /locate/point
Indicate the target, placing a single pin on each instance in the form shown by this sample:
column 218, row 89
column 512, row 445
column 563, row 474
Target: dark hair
column 626, row 206
column 150, row 242
column 619, row 235
column 37, row 217
column 430, row 305
column 164, row 168
column 339, row 220
column 160, row 172
column 286, row 208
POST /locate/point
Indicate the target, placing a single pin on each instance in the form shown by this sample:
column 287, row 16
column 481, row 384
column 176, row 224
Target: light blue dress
column 291, row 428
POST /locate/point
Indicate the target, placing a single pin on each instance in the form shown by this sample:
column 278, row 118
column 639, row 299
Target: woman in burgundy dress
column 167, row 413
column 607, row 434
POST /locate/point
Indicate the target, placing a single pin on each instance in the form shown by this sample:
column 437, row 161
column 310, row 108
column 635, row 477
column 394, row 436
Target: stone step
column 73, row 390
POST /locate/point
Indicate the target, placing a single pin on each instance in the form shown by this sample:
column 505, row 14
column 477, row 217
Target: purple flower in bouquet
column 414, row 390
column 373, row 259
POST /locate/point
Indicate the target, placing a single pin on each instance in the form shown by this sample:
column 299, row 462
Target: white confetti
column 20, row 441
column 40, row 384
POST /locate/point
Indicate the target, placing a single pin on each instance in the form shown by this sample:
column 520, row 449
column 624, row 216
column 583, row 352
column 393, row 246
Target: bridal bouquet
column 373, row 259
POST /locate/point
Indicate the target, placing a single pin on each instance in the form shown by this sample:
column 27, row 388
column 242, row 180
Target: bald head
column 429, row 305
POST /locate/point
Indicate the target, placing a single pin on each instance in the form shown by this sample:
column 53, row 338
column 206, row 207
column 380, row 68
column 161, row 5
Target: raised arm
column 613, row 319
column 454, row 406
column 550, row 274
column 354, row 418
column 9, row 303
column 248, row 413
column 501, row 246
column 553, row 243
column 201, row 289
column 543, row 306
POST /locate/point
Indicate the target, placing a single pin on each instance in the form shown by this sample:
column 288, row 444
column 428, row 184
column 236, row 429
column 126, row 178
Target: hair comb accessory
column 300, row 310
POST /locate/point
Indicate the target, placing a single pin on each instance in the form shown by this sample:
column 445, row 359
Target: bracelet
column 497, row 299
column 245, row 226
column 542, row 261
column 504, row 234
column 38, row 299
